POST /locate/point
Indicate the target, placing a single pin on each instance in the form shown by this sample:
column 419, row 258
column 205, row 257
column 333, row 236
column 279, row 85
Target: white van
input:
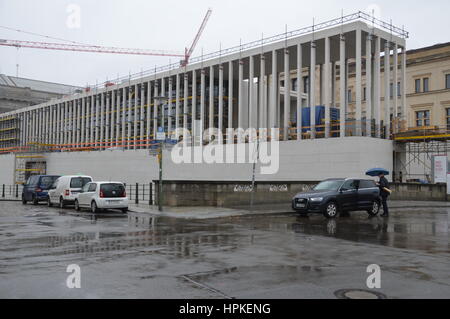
column 102, row 196
column 64, row 190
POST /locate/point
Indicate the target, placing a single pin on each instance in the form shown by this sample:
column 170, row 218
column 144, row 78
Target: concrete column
column 142, row 117
column 33, row 127
column 342, row 93
column 107, row 115
column 118, row 120
column 327, row 87
column 57, row 127
column 163, row 105
column 211, row 97
column 241, row 97
column 102, row 121
column 251, row 97
column 97, row 121
column 299, row 90
column 155, row 108
column 377, row 87
column 358, row 86
column 387, row 84
column 83, row 121
column 92, row 115
column 185, row 102
column 312, row 90
column 262, row 123
column 194, row 106
column 135, row 118
column 394, row 86
column 66, row 122
column 403, row 88
column 230, row 139
column 78, row 122
column 169, row 107
column 220, row 100
column 149, row 111
column 202, row 105
column 129, row 117
column 369, row 85
column 45, row 125
column 112, row 123
column 274, row 93
column 287, row 96
column 123, row 142
column 177, row 103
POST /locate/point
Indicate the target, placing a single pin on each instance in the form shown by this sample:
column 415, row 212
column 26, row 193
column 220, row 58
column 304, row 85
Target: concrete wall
column 228, row 194
column 309, row 160
column 239, row 193
column 7, row 169
column 417, row 192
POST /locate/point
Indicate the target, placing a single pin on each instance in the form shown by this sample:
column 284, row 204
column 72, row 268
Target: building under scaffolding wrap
column 262, row 85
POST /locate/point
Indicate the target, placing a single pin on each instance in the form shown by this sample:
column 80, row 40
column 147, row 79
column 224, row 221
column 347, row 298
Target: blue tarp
column 320, row 117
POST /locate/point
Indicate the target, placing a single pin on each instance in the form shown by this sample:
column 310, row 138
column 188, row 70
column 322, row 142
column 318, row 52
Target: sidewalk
column 220, row 212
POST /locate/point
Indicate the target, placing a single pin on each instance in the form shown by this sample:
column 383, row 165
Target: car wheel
column 94, row 208
column 124, row 210
column 35, row 201
column 49, row 203
column 331, row 210
column 62, row 204
column 24, row 201
column 77, row 206
column 375, row 209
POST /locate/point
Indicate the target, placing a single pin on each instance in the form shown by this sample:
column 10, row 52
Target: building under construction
column 296, row 82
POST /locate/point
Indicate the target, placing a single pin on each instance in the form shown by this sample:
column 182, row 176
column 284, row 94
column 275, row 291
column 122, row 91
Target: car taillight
column 102, row 195
column 67, row 192
column 38, row 190
column 124, row 194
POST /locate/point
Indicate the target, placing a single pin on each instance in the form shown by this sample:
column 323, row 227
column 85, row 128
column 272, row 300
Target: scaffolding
column 28, row 161
column 421, row 144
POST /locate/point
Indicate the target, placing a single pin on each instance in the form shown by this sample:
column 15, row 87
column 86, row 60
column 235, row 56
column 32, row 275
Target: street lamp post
column 161, row 100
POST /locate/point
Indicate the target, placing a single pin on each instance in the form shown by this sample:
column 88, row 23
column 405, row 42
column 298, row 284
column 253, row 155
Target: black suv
column 339, row 195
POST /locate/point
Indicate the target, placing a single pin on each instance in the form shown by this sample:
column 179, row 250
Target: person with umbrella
column 383, row 184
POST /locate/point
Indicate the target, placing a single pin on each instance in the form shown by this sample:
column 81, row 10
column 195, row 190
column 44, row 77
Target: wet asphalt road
column 278, row 256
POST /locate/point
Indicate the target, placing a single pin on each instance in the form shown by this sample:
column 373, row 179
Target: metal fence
column 11, row 191
column 137, row 193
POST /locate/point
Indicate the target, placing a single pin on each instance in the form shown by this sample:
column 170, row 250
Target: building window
column 391, row 90
column 448, row 119
column 306, row 84
column 349, row 96
column 447, row 81
column 422, row 118
column 364, row 94
column 398, row 89
column 426, row 84
column 294, row 84
column 418, row 86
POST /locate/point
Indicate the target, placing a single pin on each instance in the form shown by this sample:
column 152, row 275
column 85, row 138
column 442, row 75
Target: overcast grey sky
column 172, row 25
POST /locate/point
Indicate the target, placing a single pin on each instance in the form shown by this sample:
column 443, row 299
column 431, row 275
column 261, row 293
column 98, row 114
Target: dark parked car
column 339, row 195
column 36, row 188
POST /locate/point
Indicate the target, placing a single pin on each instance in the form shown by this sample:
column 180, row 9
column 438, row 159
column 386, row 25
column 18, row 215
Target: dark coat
column 384, row 184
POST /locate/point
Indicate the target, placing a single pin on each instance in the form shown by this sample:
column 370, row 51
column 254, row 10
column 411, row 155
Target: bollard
column 17, row 190
column 3, row 191
column 137, row 194
column 150, row 199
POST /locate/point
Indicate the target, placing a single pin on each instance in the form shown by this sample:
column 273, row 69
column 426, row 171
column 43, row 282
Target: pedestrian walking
column 385, row 192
